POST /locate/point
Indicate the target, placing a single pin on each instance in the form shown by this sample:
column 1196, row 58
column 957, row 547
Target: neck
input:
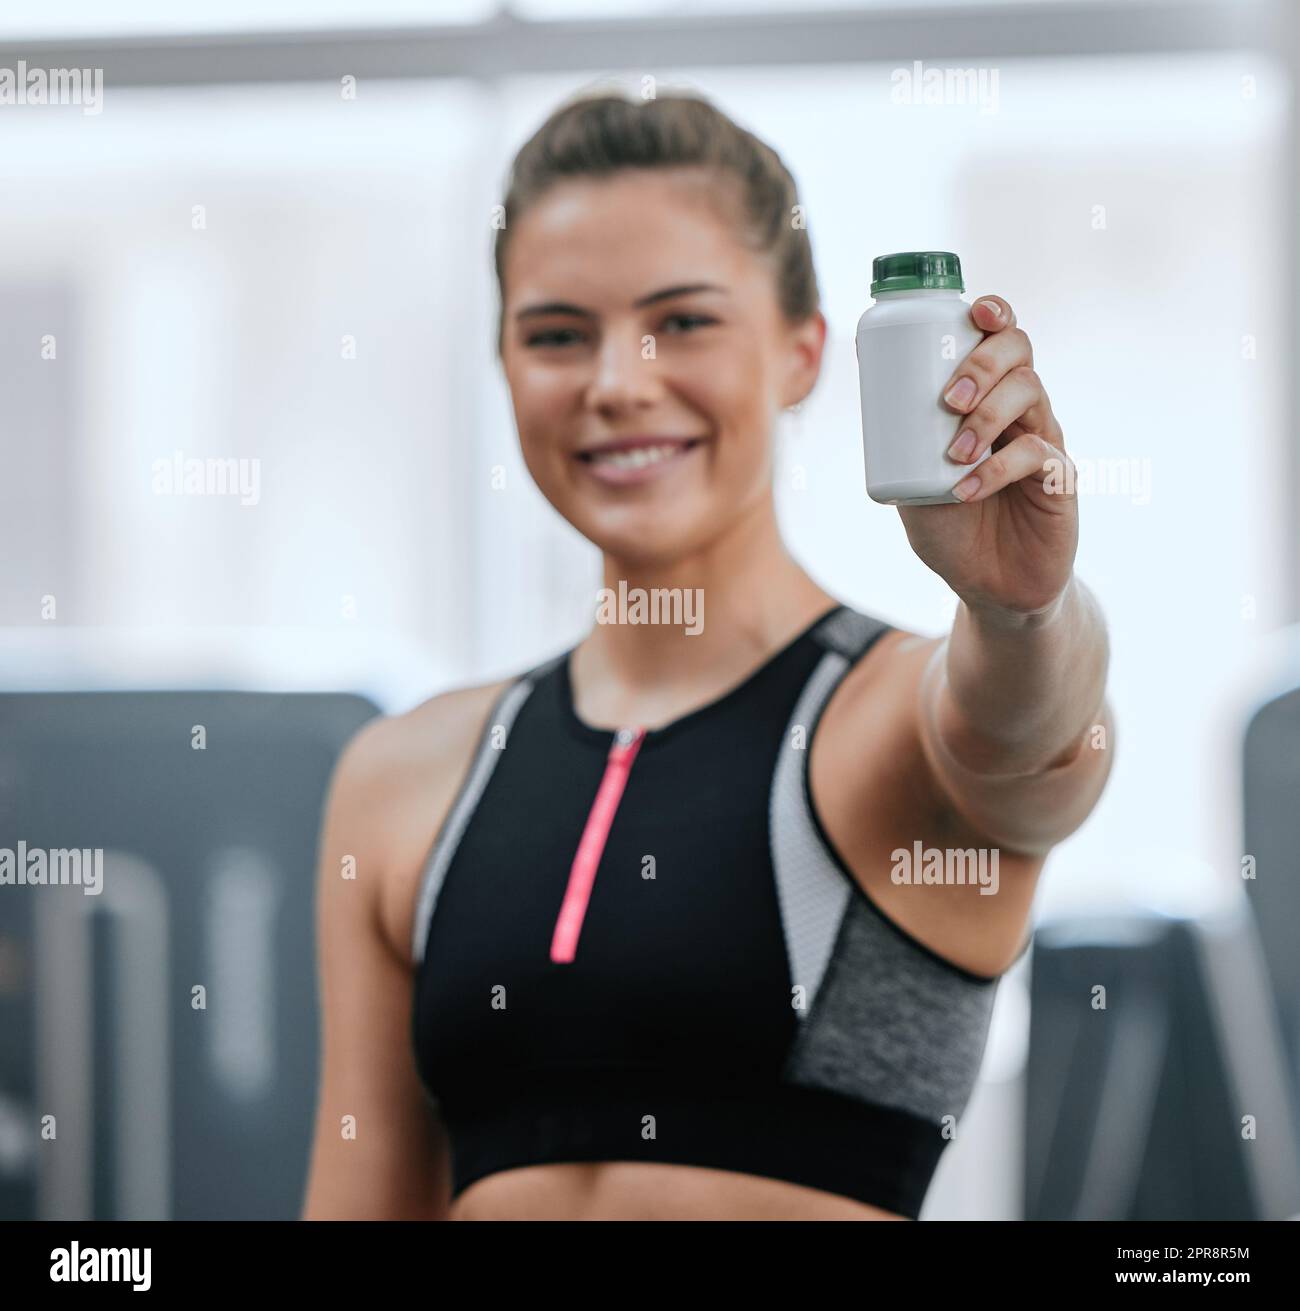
column 721, row 611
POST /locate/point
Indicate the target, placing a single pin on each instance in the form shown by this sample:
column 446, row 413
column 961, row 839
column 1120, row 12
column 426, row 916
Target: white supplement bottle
column 909, row 344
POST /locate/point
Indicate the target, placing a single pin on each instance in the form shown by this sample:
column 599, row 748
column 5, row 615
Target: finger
column 985, row 366
column 992, row 314
column 1028, row 456
column 1019, row 396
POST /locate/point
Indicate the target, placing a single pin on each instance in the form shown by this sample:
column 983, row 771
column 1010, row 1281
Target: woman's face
column 647, row 360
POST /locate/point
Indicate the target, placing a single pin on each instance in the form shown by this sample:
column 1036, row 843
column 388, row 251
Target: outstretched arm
column 1014, row 722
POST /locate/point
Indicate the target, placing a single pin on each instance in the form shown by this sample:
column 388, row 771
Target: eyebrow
column 567, row 307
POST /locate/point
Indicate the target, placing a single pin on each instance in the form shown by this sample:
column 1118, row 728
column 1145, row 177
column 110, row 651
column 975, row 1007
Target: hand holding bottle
column 994, row 510
column 1009, row 544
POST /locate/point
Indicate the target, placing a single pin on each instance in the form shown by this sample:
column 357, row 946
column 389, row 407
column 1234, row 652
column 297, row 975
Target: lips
column 636, row 459
column 636, row 442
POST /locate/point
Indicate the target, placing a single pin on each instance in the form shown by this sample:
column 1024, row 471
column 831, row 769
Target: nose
column 624, row 378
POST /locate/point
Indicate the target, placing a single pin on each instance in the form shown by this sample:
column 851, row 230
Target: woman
column 665, row 957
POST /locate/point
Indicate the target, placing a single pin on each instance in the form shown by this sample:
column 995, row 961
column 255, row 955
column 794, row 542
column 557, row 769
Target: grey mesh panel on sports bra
column 891, row 1025
column 812, row 892
column 885, row 1019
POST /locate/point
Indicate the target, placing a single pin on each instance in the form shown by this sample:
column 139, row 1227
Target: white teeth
column 637, row 458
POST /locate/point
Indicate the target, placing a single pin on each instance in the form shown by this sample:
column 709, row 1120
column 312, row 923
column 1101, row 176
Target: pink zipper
column 582, row 874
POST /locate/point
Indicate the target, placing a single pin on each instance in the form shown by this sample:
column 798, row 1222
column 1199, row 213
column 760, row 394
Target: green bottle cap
column 911, row 269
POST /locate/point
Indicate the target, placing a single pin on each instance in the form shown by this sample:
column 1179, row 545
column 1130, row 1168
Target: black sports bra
column 642, row 946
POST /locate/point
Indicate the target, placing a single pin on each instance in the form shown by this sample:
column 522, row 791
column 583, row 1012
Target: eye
column 693, row 320
column 549, row 337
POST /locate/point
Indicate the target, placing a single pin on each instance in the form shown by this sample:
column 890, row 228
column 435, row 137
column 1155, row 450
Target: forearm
column 1015, row 695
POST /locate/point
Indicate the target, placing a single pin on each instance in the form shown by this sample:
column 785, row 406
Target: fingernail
column 993, row 307
column 967, row 487
column 963, row 446
column 962, row 392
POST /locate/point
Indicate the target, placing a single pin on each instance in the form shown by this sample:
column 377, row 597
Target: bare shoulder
column 875, row 793
column 393, row 786
column 881, row 678
column 871, row 719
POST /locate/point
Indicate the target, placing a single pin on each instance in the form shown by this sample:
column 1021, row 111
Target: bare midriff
column 635, row 1190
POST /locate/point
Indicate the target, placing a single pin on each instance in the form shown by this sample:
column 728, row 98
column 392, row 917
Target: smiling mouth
column 637, row 457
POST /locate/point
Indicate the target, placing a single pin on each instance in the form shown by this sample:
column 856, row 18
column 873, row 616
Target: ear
column 805, row 342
